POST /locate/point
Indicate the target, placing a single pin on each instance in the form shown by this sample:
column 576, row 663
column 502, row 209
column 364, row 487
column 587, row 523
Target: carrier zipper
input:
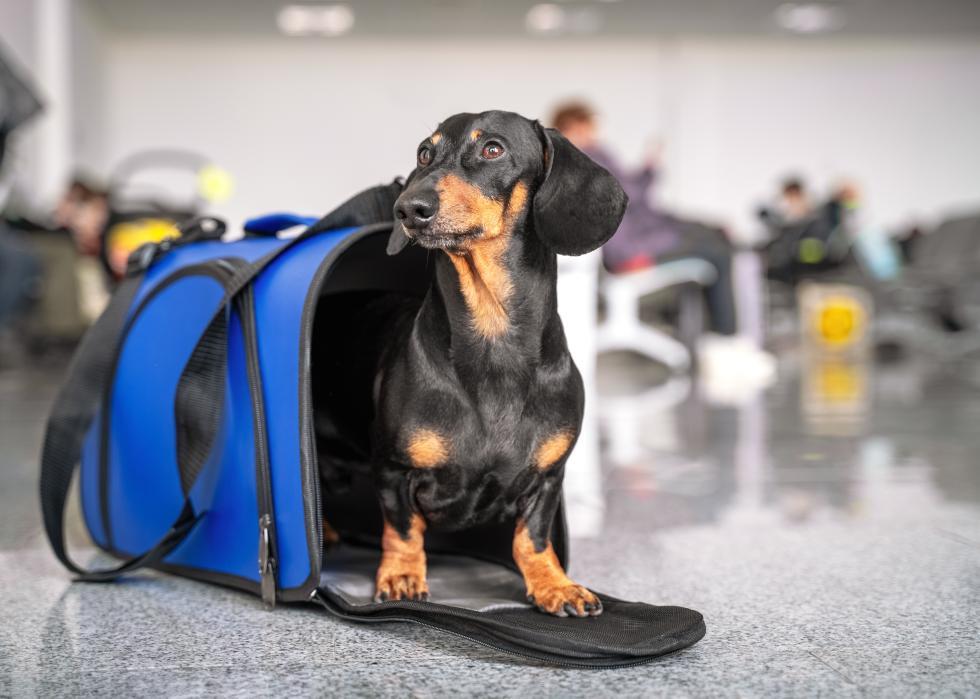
column 267, row 561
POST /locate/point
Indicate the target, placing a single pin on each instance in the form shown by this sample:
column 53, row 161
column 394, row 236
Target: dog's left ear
column 579, row 204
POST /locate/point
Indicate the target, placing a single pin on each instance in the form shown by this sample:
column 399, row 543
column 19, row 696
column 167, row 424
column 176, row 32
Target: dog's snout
column 417, row 211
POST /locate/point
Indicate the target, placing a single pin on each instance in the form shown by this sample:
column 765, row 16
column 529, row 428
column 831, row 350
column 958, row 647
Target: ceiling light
column 322, row 20
column 546, row 18
column 809, row 18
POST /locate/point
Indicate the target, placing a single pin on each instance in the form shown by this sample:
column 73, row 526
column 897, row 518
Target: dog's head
column 479, row 176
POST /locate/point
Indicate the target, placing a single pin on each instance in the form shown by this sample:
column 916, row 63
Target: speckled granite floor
column 829, row 531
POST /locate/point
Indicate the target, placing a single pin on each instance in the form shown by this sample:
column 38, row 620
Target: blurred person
column 807, row 238
column 19, row 271
column 83, row 211
column 648, row 236
column 794, row 202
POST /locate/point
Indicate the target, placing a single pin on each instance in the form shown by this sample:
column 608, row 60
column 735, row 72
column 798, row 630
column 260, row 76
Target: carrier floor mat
column 485, row 602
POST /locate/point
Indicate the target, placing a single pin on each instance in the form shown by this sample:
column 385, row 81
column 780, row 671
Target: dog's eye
column 492, row 150
column 425, row 156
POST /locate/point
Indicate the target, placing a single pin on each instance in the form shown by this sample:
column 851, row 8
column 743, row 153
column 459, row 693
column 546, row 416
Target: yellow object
column 839, row 320
column 129, row 235
column 214, row 183
column 125, row 237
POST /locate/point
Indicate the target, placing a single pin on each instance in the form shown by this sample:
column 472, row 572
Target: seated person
column 647, row 236
column 19, row 271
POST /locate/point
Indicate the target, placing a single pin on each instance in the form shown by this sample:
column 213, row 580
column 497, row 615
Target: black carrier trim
column 307, row 442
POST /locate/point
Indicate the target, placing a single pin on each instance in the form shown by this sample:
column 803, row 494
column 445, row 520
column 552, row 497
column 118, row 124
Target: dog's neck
column 493, row 310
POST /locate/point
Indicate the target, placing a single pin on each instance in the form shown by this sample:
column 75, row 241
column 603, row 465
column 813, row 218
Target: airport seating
column 623, row 329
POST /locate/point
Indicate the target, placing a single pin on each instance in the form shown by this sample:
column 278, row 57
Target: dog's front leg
column 401, row 574
column 548, row 587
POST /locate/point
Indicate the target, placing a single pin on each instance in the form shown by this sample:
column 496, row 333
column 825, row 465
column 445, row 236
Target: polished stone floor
column 828, row 529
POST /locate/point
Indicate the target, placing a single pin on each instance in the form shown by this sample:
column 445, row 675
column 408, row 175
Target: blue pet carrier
column 189, row 408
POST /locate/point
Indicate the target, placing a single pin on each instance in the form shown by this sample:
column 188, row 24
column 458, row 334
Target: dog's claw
column 567, row 600
column 402, row 587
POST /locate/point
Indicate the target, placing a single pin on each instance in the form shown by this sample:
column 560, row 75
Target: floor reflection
column 834, row 439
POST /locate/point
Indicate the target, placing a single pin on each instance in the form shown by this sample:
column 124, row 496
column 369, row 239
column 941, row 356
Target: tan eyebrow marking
column 475, row 134
column 435, row 138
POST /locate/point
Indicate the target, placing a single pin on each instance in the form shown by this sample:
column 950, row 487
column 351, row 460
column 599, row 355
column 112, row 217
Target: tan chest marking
column 483, row 280
column 427, row 449
column 551, row 450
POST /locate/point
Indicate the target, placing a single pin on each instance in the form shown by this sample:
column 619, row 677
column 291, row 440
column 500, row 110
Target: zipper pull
column 267, row 564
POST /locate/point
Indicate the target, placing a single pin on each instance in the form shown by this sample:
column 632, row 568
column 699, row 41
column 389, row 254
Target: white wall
column 88, row 93
column 303, row 124
column 901, row 118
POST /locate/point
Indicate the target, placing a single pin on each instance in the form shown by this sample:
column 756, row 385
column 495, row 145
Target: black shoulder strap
column 74, row 410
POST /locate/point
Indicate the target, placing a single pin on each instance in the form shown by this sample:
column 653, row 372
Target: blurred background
column 784, row 333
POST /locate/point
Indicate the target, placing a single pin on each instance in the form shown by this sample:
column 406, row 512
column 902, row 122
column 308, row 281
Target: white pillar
column 53, row 50
column 577, row 292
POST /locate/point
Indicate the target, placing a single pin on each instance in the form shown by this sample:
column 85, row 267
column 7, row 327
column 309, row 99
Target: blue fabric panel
column 279, row 298
column 248, row 250
column 270, row 224
column 144, row 486
column 227, row 538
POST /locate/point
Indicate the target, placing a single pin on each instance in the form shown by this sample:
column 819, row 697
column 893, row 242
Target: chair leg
column 690, row 319
column 651, row 343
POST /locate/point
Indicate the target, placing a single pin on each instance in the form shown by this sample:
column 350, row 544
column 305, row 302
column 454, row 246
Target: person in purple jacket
column 648, row 236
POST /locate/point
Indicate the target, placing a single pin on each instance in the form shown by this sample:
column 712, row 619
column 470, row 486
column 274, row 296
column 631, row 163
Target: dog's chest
column 492, row 464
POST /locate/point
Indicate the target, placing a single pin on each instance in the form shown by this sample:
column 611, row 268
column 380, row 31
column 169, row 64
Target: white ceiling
column 428, row 20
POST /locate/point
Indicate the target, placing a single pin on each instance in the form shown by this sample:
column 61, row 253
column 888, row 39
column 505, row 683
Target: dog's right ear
column 579, row 204
column 397, row 241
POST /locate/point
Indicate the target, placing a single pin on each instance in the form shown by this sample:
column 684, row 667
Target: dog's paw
column 396, row 586
column 566, row 600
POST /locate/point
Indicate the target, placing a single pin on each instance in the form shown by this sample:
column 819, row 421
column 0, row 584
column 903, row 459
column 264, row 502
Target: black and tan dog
column 477, row 401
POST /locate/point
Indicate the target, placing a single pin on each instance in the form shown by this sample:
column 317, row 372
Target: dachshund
column 477, row 403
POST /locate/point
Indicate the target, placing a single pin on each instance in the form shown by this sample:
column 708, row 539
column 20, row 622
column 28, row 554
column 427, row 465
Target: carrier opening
column 363, row 293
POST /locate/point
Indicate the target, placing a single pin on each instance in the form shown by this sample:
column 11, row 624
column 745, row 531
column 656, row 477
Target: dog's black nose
column 416, row 211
